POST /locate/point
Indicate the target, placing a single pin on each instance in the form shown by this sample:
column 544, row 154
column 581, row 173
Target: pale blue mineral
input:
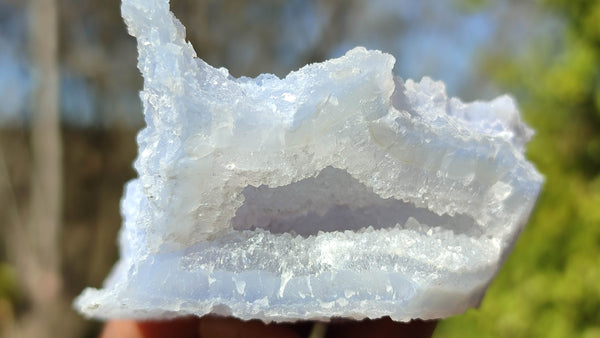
column 337, row 191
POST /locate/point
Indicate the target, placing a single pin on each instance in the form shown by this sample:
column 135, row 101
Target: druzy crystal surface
column 338, row 191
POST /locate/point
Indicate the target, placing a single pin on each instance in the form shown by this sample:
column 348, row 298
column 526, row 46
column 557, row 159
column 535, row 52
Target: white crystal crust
column 337, row 191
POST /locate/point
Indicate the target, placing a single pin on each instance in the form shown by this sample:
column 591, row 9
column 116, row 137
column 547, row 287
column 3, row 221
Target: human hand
column 224, row 327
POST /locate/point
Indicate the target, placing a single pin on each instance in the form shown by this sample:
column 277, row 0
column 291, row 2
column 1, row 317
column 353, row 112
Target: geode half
column 338, row 191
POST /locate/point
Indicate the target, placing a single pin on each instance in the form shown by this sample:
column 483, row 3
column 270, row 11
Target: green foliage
column 8, row 296
column 471, row 5
column 550, row 285
column 8, row 285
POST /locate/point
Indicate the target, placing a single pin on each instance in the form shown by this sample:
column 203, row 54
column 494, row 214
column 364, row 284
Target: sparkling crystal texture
column 337, row 191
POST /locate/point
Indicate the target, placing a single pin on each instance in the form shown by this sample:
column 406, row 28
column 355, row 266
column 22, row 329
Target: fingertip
column 184, row 328
column 121, row 329
column 225, row 327
column 181, row 327
column 382, row 327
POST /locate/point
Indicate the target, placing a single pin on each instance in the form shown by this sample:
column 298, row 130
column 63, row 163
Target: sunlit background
column 68, row 119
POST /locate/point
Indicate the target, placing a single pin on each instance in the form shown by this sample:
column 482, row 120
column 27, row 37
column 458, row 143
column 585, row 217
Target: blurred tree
column 273, row 36
column 550, row 285
column 34, row 243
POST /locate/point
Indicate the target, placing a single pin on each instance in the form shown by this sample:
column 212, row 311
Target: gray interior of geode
column 334, row 201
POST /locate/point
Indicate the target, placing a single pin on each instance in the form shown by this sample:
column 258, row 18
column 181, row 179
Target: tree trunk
column 36, row 249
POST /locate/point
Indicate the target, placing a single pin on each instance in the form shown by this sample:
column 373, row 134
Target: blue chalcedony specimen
column 339, row 190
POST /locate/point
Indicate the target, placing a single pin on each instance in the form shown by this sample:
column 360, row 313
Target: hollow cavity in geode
column 334, row 201
column 338, row 191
